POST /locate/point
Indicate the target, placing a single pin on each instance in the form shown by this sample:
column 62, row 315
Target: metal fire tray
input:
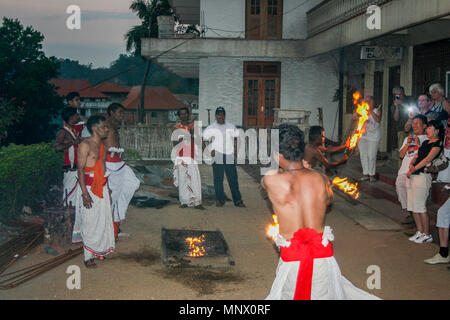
column 175, row 249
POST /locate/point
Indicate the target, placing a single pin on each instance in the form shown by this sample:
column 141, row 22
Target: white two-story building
column 254, row 56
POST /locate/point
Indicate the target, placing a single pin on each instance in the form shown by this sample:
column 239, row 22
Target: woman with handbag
column 420, row 181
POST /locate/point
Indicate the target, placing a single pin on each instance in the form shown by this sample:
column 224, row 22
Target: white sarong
column 123, row 184
column 186, row 177
column 94, row 226
column 70, row 184
column 327, row 281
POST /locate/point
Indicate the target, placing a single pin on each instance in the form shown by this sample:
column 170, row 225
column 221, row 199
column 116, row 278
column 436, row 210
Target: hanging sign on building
column 381, row 53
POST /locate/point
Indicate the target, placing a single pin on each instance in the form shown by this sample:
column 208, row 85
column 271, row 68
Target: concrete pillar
column 385, row 106
column 369, row 77
column 347, row 117
column 406, row 70
column 166, row 27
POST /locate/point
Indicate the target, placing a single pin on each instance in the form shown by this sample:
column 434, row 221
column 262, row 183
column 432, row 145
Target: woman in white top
column 370, row 141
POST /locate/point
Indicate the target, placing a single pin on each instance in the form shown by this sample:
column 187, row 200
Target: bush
column 26, row 175
column 131, row 154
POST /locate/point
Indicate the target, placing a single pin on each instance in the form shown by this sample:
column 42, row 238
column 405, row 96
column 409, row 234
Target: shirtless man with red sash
column 122, row 180
column 93, row 219
column 300, row 197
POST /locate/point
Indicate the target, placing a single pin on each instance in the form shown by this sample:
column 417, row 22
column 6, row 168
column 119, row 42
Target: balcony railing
column 330, row 13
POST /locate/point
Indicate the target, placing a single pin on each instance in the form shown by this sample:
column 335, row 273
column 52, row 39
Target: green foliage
column 24, row 75
column 26, row 175
column 128, row 70
column 10, row 115
column 148, row 12
column 131, row 154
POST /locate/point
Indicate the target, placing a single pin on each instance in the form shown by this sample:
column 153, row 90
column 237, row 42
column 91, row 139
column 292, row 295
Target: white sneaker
column 424, row 239
column 437, row 259
column 417, row 235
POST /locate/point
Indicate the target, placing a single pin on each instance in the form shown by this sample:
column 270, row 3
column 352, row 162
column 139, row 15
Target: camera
column 397, row 97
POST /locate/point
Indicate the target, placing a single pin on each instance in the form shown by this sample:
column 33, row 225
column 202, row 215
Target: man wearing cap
column 221, row 137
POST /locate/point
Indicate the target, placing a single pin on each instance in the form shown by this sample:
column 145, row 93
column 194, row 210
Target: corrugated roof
column 156, row 98
column 111, row 87
column 84, row 87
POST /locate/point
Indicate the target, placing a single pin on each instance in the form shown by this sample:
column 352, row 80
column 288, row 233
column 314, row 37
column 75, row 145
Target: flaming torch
column 363, row 111
column 273, row 229
column 349, row 188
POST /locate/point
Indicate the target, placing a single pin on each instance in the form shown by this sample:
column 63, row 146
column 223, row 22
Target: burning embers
column 349, row 188
column 273, row 229
column 196, row 248
column 362, row 110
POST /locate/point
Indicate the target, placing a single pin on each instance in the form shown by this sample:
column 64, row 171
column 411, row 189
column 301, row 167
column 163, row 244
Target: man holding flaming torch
column 300, row 197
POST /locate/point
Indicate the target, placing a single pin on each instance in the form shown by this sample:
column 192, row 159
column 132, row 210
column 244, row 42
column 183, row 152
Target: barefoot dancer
column 315, row 150
column 186, row 175
column 300, row 196
column 93, row 222
column 67, row 140
column 122, row 180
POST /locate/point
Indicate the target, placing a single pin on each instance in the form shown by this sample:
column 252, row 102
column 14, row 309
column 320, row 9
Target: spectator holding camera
column 400, row 112
column 407, row 152
column 424, row 104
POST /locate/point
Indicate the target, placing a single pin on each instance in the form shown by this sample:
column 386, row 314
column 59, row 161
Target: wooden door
column 264, row 19
column 270, row 94
column 261, row 93
column 252, row 100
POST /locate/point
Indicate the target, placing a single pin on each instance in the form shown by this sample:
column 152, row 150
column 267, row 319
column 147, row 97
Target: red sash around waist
column 89, row 180
column 306, row 245
column 67, row 158
column 116, row 157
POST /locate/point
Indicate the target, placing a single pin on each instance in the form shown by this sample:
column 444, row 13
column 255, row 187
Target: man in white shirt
column 221, row 136
column 407, row 152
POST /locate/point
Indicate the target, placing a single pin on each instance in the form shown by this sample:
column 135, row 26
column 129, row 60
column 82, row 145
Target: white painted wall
column 305, row 84
column 294, row 18
column 230, row 15
column 224, row 15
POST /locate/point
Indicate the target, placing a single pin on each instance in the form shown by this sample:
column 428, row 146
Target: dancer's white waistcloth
column 70, row 184
column 186, row 176
column 94, row 226
column 123, row 184
column 327, row 281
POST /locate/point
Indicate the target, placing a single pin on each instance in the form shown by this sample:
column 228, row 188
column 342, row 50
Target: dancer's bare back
column 299, row 198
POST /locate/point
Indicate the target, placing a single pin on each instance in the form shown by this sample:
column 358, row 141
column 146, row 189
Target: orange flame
column 349, row 188
column 273, row 229
column 195, row 247
column 363, row 111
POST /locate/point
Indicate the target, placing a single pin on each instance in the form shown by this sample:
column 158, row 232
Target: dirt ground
column 135, row 271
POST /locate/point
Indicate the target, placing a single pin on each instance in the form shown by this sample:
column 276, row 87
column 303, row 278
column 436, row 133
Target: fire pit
column 194, row 248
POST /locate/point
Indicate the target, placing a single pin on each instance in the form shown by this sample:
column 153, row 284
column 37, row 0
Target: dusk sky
column 100, row 39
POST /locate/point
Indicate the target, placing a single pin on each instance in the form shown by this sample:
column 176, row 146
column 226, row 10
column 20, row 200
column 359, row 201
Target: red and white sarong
column 186, row 176
column 307, row 270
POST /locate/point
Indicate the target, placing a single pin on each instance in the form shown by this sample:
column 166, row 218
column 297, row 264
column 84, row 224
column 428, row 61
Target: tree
column 148, row 11
column 24, row 75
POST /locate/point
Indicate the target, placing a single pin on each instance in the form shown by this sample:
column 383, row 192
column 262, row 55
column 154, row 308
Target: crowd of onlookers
column 423, row 139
